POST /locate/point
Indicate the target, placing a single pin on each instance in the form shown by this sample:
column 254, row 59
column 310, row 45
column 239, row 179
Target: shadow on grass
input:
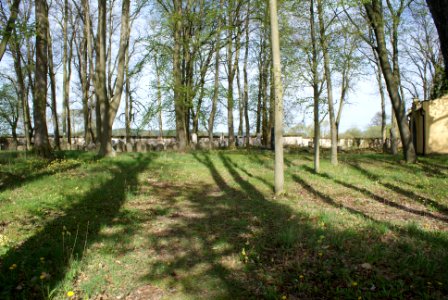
column 234, row 165
column 64, row 240
column 233, row 242
column 378, row 198
column 409, row 194
column 10, row 181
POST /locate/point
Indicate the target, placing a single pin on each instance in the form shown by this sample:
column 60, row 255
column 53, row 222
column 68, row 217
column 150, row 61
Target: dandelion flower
column 283, row 297
column 70, row 294
column 354, row 283
column 320, row 254
column 301, row 276
column 13, row 266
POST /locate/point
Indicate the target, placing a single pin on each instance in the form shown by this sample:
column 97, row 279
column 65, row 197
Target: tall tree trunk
column 8, row 31
column 89, row 54
column 275, row 42
column 240, row 101
column 375, row 15
column 383, row 104
column 128, row 105
column 100, row 80
column 246, row 82
column 393, row 133
column 84, row 78
column 316, row 93
column 260, row 87
column 159, row 98
column 30, row 70
column 265, row 109
column 41, row 143
column 17, row 56
column 439, row 12
column 324, row 45
column 108, row 118
column 66, row 64
column 344, row 89
column 54, row 111
column 211, row 120
column 271, row 120
column 179, row 101
column 231, row 69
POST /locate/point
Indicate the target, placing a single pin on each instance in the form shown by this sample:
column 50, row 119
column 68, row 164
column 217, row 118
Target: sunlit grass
column 206, row 225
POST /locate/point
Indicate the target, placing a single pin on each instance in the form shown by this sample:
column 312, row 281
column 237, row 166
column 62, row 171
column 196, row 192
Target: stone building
column 429, row 125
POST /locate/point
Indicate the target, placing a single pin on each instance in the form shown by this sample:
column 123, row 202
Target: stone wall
column 144, row 144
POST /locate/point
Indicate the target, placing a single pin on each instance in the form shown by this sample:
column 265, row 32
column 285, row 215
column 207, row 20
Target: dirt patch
column 146, row 292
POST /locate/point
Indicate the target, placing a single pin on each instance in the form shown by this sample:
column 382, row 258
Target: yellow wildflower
column 301, row 276
column 13, row 266
column 70, row 294
column 354, row 283
column 44, row 276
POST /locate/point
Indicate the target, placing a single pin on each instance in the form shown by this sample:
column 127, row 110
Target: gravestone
column 129, row 147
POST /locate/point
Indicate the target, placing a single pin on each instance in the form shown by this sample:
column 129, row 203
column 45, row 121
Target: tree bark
column 41, row 143
column 54, row 111
column 109, row 109
column 316, row 93
column 128, row 104
column 383, row 103
column 246, row 81
column 100, row 80
column 159, row 98
column 9, row 27
column 275, row 43
column 17, row 57
column 375, row 15
column 324, row 45
column 439, row 12
column 66, row 65
column 211, row 119
column 179, row 101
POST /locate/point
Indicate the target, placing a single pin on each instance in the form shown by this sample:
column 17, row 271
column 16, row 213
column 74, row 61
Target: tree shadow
column 10, row 181
column 412, row 232
column 240, row 244
column 409, row 194
column 378, row 198
column 64, row 240
column 251, row 175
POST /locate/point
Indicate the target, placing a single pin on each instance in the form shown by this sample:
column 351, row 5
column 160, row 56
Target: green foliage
column 439, row 86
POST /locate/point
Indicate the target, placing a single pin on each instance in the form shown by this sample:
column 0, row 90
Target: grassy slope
column 205, row 225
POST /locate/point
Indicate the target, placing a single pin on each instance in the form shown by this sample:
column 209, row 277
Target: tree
column 67, row 70
column 211, row 119
column 275, row 42
column 7, row 32
column 109, row 107
column 325, row 50
column 317, row 89
column 10, row 109
column 375, row 14
column 439, row 12
column 54, row 111
column 41, row 143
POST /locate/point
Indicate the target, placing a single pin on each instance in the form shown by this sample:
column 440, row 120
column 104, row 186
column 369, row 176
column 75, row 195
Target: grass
column 206, row 225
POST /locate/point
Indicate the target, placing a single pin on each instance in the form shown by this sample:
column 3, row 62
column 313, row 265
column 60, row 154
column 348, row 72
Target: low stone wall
column 144, row 144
